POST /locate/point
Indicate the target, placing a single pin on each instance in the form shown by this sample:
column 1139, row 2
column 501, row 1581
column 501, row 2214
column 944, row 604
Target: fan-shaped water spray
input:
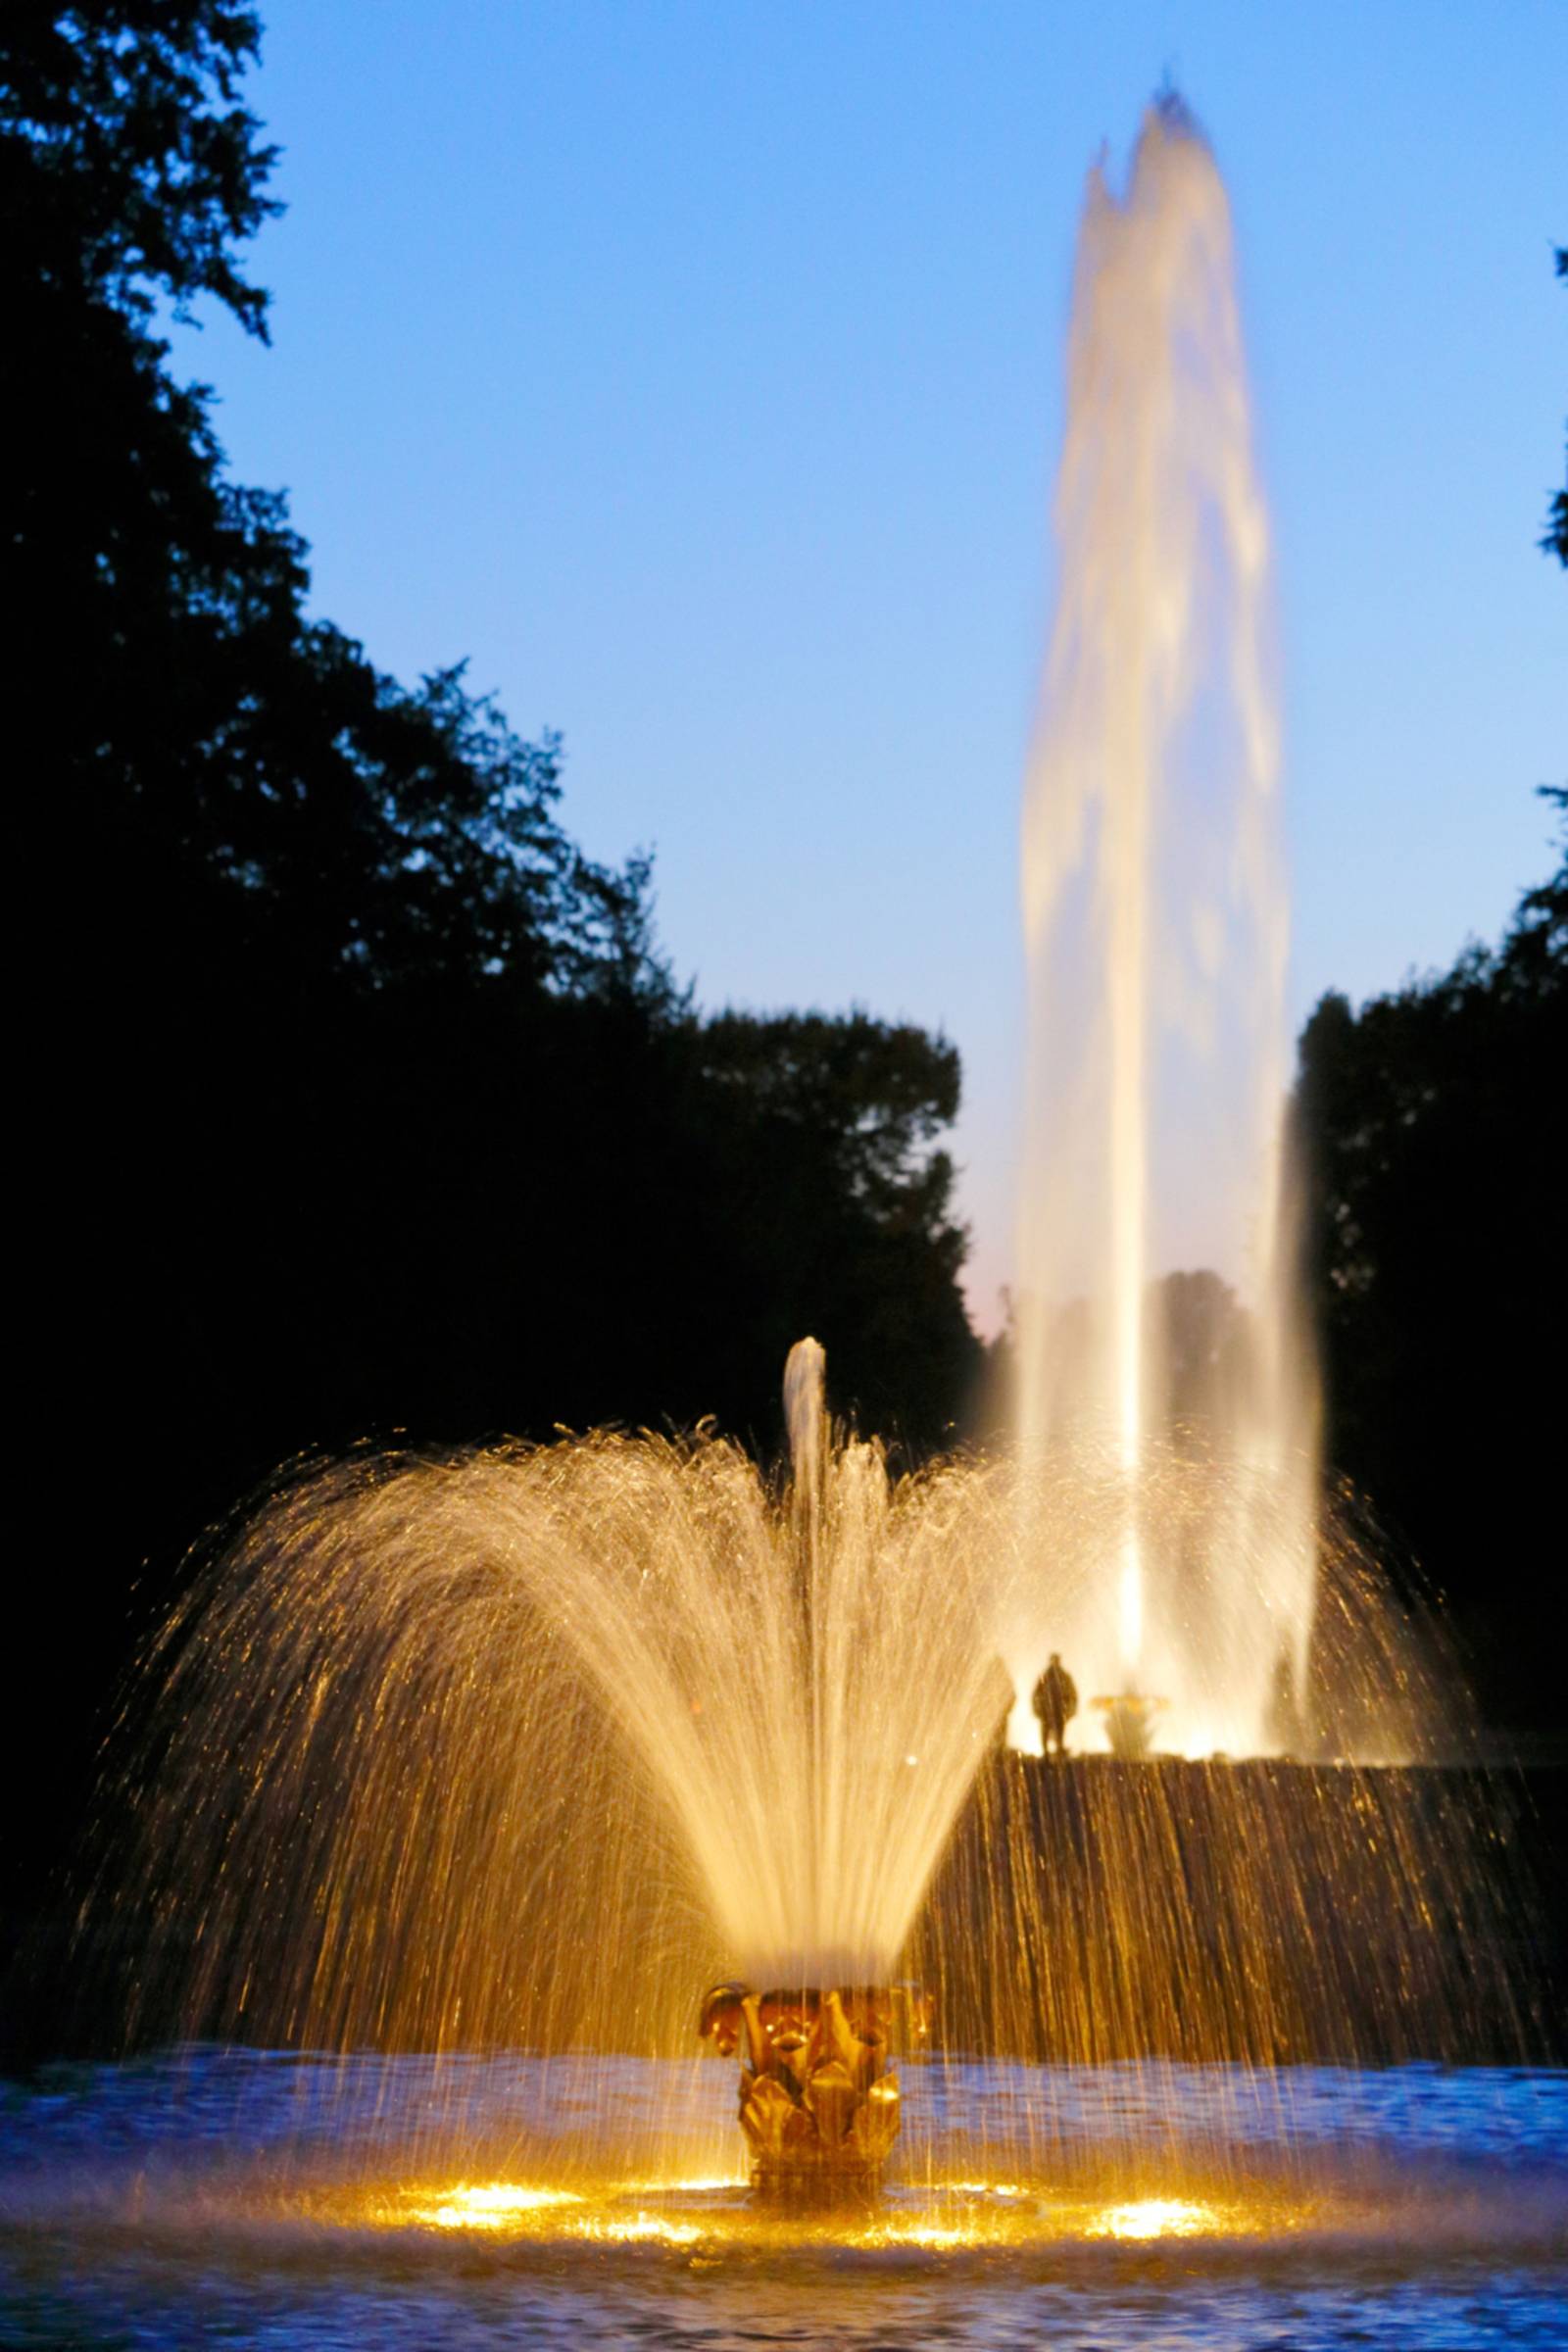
column 618, row 1686
column 522, row 1747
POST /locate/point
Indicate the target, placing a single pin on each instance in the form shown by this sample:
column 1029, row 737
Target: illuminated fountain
column 1159, row 1048
column 509, row 1747
column 519, row 1747
column 456, row 1776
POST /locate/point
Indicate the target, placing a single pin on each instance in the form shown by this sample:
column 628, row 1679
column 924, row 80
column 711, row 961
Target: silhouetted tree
column 361, row 1100
column 191, row 729
column 1203, row 1336
column 839, row 1181
column 1440, row 1263
column 1437, row 1250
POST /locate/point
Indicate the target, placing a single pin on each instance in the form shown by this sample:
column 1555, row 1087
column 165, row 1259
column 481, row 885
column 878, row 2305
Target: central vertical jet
column 1156, row 919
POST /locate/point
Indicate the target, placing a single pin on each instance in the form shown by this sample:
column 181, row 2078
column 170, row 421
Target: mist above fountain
column 1156, row 921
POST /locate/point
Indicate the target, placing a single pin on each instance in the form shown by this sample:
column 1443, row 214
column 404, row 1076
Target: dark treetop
column 360, row 1100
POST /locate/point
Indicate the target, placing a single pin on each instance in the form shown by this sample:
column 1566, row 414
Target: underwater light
column 489, row 2207
column 1154, row 2216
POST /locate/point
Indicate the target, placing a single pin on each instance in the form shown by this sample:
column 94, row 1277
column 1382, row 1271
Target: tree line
column 1438, row 1261
column 360, row 1102
column 1437, row 1242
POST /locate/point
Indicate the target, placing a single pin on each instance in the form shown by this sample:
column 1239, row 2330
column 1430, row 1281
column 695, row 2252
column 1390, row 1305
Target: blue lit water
column 213, row 2197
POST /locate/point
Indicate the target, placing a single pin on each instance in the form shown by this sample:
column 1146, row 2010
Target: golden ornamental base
column 819, row 2101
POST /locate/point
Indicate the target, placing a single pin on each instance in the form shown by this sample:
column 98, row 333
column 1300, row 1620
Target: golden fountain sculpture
column 819, row 2101
column 1130, row 1724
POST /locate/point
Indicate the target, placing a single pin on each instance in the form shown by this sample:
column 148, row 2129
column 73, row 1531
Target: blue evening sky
column 695, row 370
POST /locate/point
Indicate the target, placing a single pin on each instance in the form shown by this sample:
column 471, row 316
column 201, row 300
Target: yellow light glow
column 719, row 2218
column 1154, row 2216
column 494, row 2205
column 683, row 2188
column 639, row 2229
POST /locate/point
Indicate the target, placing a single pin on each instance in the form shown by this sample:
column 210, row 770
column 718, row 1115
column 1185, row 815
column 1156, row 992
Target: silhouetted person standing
column 1056, row 1702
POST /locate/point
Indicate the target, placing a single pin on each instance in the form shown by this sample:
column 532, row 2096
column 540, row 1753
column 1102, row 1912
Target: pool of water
column 253, row 2199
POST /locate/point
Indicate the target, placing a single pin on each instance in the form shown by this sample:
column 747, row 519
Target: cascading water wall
column 1155, row 919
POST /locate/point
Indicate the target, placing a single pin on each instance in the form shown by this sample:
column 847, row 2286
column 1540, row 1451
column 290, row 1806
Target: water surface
column 265, row 2201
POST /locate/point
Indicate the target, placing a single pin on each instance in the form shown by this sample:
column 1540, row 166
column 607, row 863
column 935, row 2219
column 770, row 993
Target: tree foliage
column 127, row 151
column 187, row 712
column 1437, row 1250
column 1440, row 1260
column 363, row 1099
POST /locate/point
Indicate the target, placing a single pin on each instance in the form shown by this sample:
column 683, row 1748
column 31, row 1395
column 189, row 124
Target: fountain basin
column 261, row 2199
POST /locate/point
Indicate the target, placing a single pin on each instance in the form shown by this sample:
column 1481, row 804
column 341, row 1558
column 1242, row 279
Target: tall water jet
column 1155, row 921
